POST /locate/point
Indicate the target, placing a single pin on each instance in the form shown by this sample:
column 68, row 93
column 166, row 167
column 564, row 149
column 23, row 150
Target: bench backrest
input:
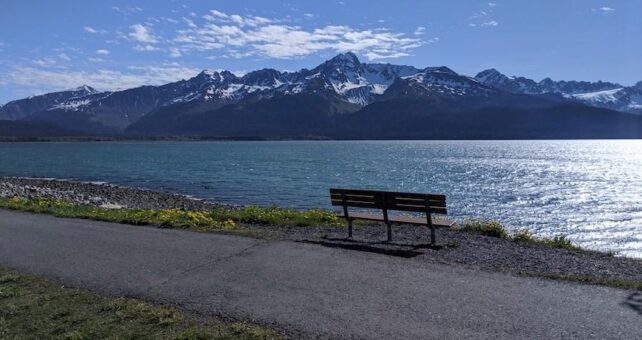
column 389, row 200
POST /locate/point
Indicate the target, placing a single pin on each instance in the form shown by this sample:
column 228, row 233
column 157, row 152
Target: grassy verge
column 228, row 219
column 495, row 229
column 33, row 308
column 215, row 220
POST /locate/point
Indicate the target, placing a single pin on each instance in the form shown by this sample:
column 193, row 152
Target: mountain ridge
column 268, row 102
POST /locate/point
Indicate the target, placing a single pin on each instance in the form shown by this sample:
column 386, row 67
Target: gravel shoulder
column 410, row 242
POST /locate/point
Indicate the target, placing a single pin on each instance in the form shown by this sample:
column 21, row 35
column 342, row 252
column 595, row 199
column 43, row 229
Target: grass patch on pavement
column 215, row 220
column 34, row 308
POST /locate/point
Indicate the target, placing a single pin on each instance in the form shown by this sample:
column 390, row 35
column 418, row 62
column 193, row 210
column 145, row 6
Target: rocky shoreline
column 411, row 242
column 99, row 194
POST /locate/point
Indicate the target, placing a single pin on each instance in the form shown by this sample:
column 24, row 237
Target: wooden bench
column 388, row 200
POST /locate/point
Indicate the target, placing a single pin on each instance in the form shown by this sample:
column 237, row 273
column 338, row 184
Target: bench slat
column 416, row 201
column 417, row 208
column 439, row 223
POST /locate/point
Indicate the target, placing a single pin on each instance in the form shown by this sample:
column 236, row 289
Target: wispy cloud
column 143, row 34
column 484, row 18
column 44, row 62
column 175, row 52
column 146, row 48
column 605, row 10
column 126, row 10
column 421, row 30
column 237, row 36
column 104, row 79
column 92, row 30
column 102, row 51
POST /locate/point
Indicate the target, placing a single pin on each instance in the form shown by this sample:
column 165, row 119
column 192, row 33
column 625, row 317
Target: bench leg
column 432, row 235
column 350, row 228
column 389, row 232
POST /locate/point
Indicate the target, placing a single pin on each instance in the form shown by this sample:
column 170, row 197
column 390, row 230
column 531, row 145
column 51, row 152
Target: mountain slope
column 22, row 108
column 418, row 119
column 598, row 94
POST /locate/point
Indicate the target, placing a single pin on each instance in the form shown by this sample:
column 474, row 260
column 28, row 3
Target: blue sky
column 54, row 45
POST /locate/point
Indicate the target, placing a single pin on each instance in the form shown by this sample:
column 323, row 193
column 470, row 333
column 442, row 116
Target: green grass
column 495, row 229
column 33, row 308
column 229, row 220
column 215, row 220
column 483, row 227
column 558, row 241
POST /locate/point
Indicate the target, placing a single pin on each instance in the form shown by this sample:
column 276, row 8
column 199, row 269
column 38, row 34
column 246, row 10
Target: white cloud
column 237, row 36
column 44, row 62
column 308, row 15
column 127, row 10
column 102, row 51
column 146, row 48
column 490, row 23
column 142, row 34
column 95, row 59
column 173, row 21
column 483, row 18
column 175, row 52
column 189, row 22
column 64, row 56
column 421, row 30
column 605, row 10
column 103, row 79
column 90, row 29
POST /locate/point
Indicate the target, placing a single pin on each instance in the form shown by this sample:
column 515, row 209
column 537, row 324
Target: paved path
column 316, row 290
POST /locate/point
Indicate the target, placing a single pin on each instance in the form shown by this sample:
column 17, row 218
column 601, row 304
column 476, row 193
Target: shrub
column 484, row 227
column 523, row 235
column 561, row 242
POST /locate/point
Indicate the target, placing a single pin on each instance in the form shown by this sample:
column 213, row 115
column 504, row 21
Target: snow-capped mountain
column 599, row 94
column 438, row 81
column 340, row 85
column 22, row 108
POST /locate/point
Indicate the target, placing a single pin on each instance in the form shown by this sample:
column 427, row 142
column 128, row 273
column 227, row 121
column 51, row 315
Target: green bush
column 559, row 241
column 523, row 235
column 484, row 227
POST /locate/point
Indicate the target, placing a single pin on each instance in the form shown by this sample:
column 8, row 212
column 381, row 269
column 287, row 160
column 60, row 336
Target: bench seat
column 439, row 223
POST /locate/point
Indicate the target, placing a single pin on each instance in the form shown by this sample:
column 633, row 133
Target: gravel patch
column 100, row 194
column 411, row 242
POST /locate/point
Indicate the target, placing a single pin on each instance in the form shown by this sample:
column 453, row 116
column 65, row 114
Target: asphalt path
column 310, row 290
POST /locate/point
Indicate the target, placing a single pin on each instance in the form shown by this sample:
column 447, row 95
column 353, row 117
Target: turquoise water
column 589, row 190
